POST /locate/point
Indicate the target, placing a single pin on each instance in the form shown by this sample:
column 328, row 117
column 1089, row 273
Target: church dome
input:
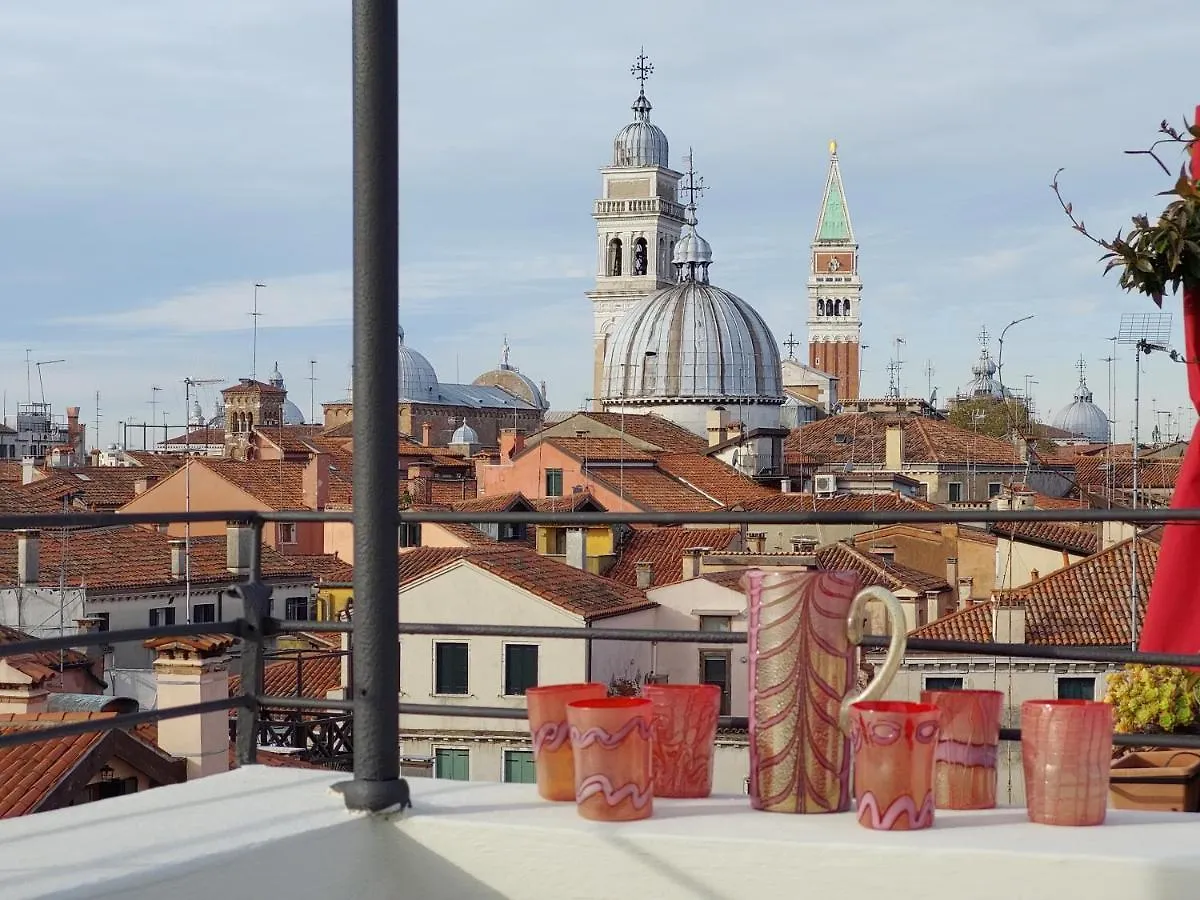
column 418, row 380
column 464, row 434
column 640, row 143
column 291, row 412
column 692, row 341
column 1083, row 417
column 508, row 378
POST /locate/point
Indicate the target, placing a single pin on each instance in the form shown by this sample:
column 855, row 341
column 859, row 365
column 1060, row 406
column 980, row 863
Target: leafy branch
column 1154, row 259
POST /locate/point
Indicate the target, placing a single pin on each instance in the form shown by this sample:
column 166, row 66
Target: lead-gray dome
column 291, row 412
column 464, row 434
column 692, row 341
column 1083, row 417
column 640, row 143
column 418, row 380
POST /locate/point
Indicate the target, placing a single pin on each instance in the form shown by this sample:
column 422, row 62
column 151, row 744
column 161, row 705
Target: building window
column 943, row 683
column 410, row 534
column 102, row 620
column 993, row 489
column 450, row 668
column 512, row 531
column 286, row 532
column 614, row 257
column 109, row 786
column 518, row 767
column 520, row 668
column 162, row 615
column 452, row 764
column 954, row 492
column 715, row 669
column 556, row 542
column 716, row 623
column 297, row 609
column 554, row 482
column 203, row 613
column 1077, row 689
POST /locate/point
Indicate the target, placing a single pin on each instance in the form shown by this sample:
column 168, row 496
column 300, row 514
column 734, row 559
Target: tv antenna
column 254, row 314
column 41, row 384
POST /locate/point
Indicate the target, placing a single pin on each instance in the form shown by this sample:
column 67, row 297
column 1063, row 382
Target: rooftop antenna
column 188, row 384
column 96, row 433
column 154, row 392
column 1145, row 332
column 41, row 384
column 312, row 391
column 899, row 364
column 1111, row 360
column 28, row 379
column 929, row 371
column 254, row 341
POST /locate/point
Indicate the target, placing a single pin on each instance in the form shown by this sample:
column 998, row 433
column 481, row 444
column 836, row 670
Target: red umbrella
column 1173, row 614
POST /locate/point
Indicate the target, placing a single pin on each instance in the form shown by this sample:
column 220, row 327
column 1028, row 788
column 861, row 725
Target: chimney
column 239, row 542
column 933, row 606
column 28, row 544
column 316, row 481
column 1023, row 499
column 718, row 425
column 576, row 548
column 645, row 574
column 28, row 470
column 952, row 572
column 804, row 544
column 1008, row 621
column 785, row 485
column 1034, row 575
column 885, row 551
column 893, row 459
column 965, row 586
column 756, row 542
column 426, row 432
column 141, row 485
column 95, row 652
column 193, row 670
column 512, row 442
column 691, row 562
column 178, row 557
column 74, row 432
column 1021, row 445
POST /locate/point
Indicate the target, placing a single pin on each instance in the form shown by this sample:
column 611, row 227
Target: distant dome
column 510, row 379
column 692, row 341
column 984, row 382
column 418, row 380
column 1083, row 417
column 291, row 412
column 640, row 143
column 464, row 434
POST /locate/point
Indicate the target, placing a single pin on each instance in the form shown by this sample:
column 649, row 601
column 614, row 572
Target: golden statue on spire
column 833, row 148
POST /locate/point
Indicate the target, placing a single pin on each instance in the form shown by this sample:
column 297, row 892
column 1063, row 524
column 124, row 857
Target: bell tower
column 638, row 220
column 834, row 288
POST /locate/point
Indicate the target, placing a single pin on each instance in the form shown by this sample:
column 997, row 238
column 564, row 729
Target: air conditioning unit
column 825, row 484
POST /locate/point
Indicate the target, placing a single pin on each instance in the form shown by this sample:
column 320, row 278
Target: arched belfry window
column 837, row 307
column 614, row 256
column 847, row 309
column 640, row 262
column 820, row 307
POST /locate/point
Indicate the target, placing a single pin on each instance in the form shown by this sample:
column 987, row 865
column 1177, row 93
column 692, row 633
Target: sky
column 158, row 158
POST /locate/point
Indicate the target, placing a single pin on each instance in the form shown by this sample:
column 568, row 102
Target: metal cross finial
column 1082, row 367
column 983, row 336
column 504, row 353
column 790, row 345
column 642, row 69
column 693, row 184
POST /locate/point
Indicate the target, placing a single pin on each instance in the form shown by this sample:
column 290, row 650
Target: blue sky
column 159, row 157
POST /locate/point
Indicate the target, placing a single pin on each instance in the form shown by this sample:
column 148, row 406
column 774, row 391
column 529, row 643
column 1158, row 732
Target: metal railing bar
column 232, row 628
column 576, row 633
column 286, row 702
column 15, row 736
column 1038, row 651
column 84, row 520
column 301, row 626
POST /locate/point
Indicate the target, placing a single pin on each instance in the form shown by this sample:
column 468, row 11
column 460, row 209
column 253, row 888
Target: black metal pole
column 377, row 784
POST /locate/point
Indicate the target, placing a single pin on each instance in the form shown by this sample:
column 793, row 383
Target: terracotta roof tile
column 250, row 386
column 1091, row 473
column 128, row 557
column 652, row 429
column 154, row 463
column 862, row 438
column 652, row 490
column 889, row 502
column 41, row 665
column 325, row 566
column 663, row 549
column 874, row 569
column 723, row 483
column 574, row 502
column 277, row 484
column 599, row 449
column 512, row 501
column 303, row 673
column 197, row 437
column 1076, row 539
column 576, row 591
column 200, row 643
column 1084, row 604
column 93, row 487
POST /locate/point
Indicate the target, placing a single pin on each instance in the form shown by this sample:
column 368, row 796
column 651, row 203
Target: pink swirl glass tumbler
column 611, row 740
column 1066, row 749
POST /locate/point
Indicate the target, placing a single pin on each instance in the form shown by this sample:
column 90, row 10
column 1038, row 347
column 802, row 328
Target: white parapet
column 269, row 832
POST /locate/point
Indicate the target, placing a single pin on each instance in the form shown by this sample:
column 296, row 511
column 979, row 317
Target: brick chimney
column 718, row 425
column 192, row 670
column 645, row 574
column 95, row 652
column 691, row 561
column 426, row 434
column 316, row 481
column 965, row 586
column 28, row 546
column 952, row 572
column 143, row 484
column 512, row 442
column 178, row 557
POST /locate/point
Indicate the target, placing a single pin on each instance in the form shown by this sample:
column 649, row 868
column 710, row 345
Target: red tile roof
column 875, row 569
column 598, row 449
column 197, row 437
column 303, row 673
column 250, row 386
column 1153, row 474
column 651, row 429
column 1076, row 539
column 1084, row 604
column 721, row 482
column 862, row 438
column 94, row 487
column 573, row 502
column 663, row 549
column 889, row 502
column 652, row 490
column 277, row 484
column 128, row 557
column 579, row 592
column 512, row 501
column 325, row 566
column 42, row 665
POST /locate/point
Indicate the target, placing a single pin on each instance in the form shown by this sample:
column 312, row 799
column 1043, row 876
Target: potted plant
column 1155, row 700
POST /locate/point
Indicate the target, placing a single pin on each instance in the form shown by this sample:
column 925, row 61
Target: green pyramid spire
column 834, row 223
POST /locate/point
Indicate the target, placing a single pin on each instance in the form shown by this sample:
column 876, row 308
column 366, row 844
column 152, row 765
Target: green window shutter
column 519, row 767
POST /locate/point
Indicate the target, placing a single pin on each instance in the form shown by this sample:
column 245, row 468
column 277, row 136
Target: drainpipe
column 587, row 656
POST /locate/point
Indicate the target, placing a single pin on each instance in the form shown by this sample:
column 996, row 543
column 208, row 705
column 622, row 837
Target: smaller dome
column 691, row 248
column 640, row 143
column 1083, row 417
column 418, row 380
column 464, row 434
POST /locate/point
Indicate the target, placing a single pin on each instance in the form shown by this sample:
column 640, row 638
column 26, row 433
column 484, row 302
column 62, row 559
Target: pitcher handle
column 895, row 653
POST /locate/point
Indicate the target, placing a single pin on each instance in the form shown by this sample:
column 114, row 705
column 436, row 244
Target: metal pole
column 377, row 784
column 255, row 597
column 1133, row 546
